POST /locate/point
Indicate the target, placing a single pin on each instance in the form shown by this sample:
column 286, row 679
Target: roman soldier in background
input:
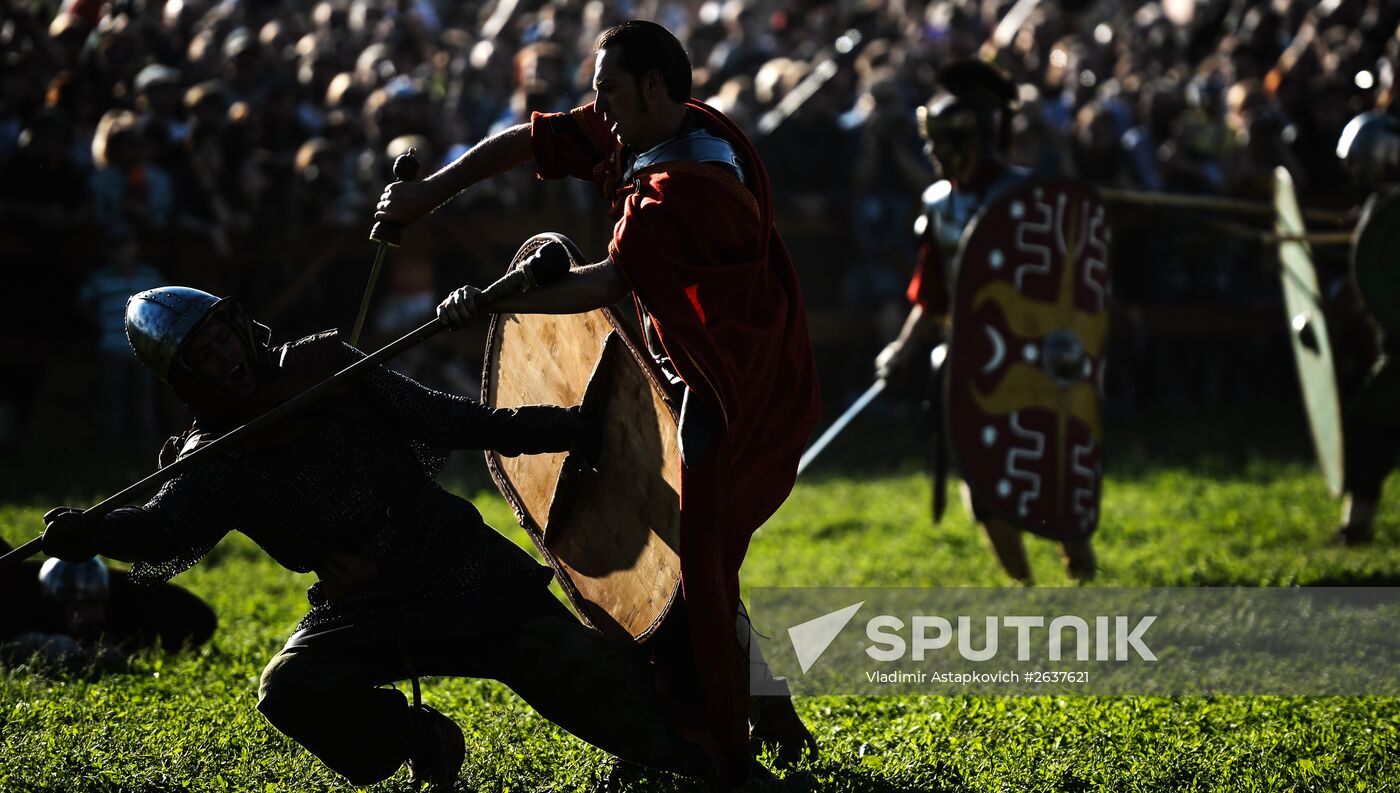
column 966, row 128
column 1370, row 148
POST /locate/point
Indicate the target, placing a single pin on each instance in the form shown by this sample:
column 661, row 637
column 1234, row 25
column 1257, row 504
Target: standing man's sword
column 388, row 235
column 840, row 424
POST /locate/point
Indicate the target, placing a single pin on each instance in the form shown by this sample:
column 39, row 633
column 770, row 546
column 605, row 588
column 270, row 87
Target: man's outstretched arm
column 584, row 289
column 405, row 202
column 129, row 534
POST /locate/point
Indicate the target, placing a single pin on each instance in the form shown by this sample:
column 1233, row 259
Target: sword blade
column 369, row 292
column 840, row 424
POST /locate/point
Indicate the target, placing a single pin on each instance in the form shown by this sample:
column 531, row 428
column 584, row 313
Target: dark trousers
column 1371, row 428
column 1371, row 451
column 325, row 691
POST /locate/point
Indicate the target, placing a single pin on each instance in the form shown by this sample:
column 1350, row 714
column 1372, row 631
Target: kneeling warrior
column 965, row 127
column 411, row 579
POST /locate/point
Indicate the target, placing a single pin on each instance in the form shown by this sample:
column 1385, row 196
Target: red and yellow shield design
column 1030, row 327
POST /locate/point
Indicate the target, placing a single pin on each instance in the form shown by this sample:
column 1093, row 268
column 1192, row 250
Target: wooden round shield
column 1312, row 347
column 611, row 533
column 1030, row 329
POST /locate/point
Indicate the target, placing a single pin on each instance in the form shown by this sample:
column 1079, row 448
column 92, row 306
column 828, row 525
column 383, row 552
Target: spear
column 534, row 273
column 1208, row 203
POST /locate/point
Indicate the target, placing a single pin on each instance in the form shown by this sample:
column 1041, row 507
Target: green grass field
column 1173, row 515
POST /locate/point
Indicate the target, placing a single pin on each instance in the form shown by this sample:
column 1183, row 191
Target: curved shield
column 1030, row 328
column 1373, row 260
column 1312, row 347
column 611, row 534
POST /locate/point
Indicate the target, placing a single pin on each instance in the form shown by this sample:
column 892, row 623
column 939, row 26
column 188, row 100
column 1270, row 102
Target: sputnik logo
column 811, row 638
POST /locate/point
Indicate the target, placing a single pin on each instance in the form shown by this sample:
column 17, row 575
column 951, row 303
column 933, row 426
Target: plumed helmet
column 159, row 321
column 73, row 582
column 976, row 100
column 1370, row 147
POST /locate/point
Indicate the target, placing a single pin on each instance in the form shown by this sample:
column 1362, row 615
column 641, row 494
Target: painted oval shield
column 1030, row 328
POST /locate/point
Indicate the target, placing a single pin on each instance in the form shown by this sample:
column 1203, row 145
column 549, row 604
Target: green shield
column 1307, row 327
column 1373, row 259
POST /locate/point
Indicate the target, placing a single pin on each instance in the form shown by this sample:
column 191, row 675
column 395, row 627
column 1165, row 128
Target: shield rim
column 507, row 488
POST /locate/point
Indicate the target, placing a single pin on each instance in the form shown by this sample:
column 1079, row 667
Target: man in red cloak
column 695, row 246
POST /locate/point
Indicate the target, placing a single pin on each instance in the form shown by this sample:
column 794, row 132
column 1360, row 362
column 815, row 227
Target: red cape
column 702, row 256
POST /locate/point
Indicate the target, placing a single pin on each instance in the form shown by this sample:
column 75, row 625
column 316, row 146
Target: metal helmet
column 973, row 112
column 1370, row 147
column 73, row 582
column 158, row 321
column 956, row 132
column 948, row 115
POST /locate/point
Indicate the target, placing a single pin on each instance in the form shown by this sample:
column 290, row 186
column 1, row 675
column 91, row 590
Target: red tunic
column 928, row 287
column 702, row 257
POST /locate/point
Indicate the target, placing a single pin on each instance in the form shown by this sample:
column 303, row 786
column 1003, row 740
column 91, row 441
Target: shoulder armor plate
column 698, row 145
column 937, row 193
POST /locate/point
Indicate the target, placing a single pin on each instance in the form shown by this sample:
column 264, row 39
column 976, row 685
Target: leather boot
column 438, row 749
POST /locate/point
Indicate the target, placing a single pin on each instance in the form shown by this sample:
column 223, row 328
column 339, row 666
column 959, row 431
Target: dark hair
column 646, row 46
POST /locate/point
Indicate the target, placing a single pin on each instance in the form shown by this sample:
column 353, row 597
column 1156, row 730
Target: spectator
column 888, row 176
column 1123, row 94
column 131, row 195
column 128, row 389
column 158, row 105
column 40, row 184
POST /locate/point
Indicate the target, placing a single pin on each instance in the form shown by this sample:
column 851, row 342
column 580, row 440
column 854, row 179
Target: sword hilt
column 405, row 170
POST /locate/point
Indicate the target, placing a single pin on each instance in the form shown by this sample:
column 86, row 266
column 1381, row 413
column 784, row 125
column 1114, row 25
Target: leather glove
column 460, row 308
column 70, row 534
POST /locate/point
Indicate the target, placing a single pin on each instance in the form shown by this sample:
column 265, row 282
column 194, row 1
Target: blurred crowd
column 248, row 123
